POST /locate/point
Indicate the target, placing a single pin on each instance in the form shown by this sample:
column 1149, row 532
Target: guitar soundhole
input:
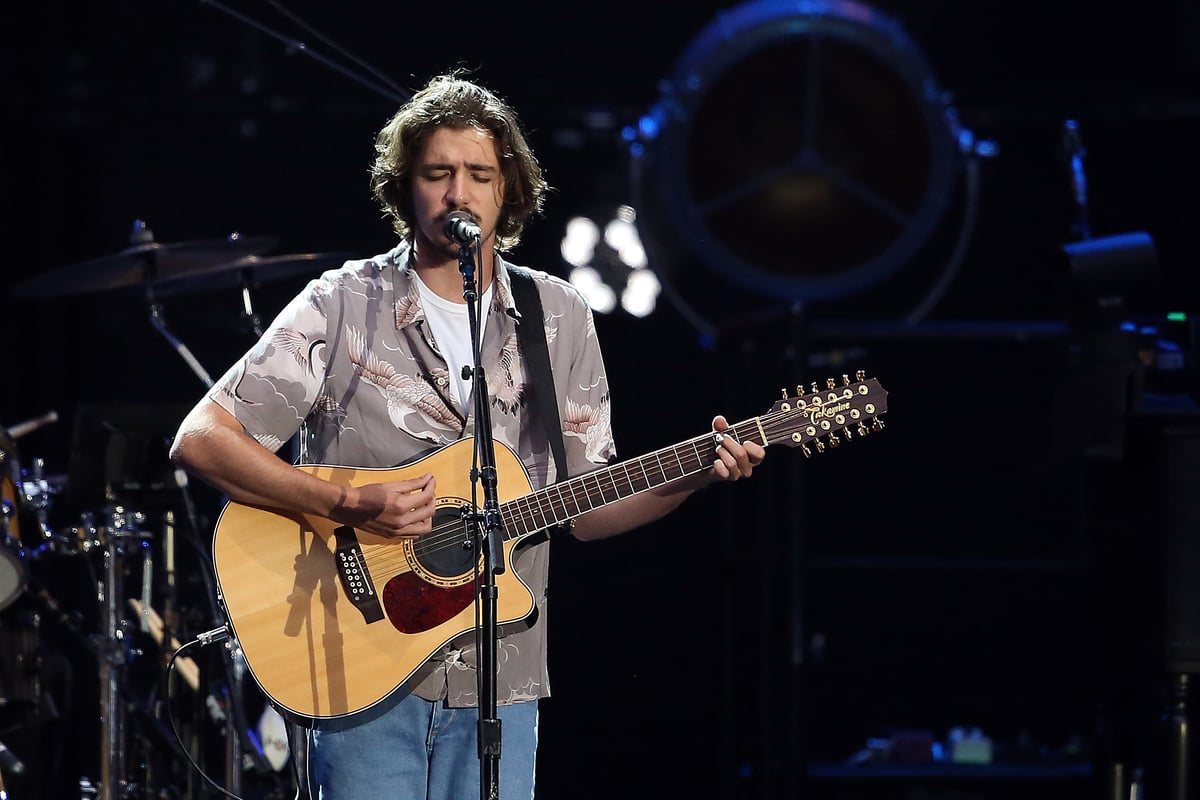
column 441, row 552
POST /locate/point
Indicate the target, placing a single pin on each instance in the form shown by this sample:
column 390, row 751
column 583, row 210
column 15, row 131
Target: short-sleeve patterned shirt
column 350, row 364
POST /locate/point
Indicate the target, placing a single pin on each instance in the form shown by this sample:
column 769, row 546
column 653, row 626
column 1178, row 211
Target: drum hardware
column 19, row 492
column 119, row 537
column 168, row 270
column 20, row 673
column 117, row 534
column 12, row 555
column 248, row 273
column 244, row 273
column 124, row 527
column 37, row 495
column 142, row 263
column 158, row 270
column 112, row 543
column 13, row 575
column 187, row 668
column 33, row 493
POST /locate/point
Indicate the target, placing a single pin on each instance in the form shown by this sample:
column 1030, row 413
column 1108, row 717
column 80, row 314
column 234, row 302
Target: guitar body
column 316, row 653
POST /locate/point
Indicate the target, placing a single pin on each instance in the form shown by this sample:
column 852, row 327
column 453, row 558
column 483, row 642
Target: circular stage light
column 802, row 150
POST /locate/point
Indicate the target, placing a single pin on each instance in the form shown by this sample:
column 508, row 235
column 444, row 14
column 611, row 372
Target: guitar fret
column 598, row 490
column 566, row 496
column 600, row 485
column 516, row 523
column 629, row 481
column 558, row 489
column 541, row 513
column 641, row 462
column 661, row 470
column 587, row 495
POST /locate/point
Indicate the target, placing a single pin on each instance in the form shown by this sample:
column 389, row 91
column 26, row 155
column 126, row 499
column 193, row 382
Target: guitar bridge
column 352, row 571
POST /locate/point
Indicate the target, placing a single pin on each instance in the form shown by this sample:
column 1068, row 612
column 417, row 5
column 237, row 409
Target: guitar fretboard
column 796, row 421
column 568, row 499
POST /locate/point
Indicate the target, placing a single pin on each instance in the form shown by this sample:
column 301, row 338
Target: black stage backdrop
column 957, row 569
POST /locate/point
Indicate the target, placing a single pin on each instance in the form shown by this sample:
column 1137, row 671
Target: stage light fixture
column 610, row 264
column 802, row 150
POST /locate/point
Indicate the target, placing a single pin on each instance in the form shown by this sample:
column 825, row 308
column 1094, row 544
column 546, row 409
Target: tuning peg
column 815, row 388
column 860, row 375
column 863, row 430
column 848, row 433
column 783, row 393
column 845, row 379
column 807, row 452
column 877, row 424
column 830, row 383
column 820, row 445
column 833, row 440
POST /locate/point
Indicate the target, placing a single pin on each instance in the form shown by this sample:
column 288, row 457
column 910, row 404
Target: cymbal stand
column 143, row 235
column 160, row 324
column 249, row 315
column 114, row 650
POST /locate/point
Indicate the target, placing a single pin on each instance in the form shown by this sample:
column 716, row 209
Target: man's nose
column 456, row 195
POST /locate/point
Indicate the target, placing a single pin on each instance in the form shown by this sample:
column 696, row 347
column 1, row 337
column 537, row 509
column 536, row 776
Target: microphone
column 461, row 227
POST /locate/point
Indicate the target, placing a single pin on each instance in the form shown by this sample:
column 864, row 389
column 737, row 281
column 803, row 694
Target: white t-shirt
column 451, row 330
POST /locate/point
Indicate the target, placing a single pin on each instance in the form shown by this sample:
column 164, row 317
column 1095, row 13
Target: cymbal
column 251, row 271
column 142, row 263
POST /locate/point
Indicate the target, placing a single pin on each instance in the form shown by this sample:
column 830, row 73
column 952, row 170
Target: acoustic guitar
column 332, row 620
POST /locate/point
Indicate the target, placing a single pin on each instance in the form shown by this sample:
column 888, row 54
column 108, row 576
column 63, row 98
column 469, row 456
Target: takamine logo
column 821, row 412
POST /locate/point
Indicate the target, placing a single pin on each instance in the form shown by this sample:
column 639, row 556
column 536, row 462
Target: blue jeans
column 420, row 749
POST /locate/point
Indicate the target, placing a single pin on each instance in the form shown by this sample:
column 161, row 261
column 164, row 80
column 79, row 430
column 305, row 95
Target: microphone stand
column 491, row 547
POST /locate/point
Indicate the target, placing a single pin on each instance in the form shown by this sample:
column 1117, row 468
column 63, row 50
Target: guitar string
column 445, row 536
column 438, row 540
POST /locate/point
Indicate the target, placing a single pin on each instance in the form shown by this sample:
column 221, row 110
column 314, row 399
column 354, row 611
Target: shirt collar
column 407, row 304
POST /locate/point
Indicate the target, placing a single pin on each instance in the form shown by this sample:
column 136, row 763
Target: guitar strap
column 532, row 333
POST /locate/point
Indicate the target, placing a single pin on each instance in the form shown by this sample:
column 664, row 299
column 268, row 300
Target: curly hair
column 453, row 102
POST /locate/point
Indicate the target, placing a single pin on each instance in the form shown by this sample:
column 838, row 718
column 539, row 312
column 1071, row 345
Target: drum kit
column 128, row 555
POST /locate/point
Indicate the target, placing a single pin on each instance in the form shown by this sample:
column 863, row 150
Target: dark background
column 976, row 564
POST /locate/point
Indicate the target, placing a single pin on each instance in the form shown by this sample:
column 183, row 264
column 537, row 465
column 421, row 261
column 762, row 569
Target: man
column 367, row 364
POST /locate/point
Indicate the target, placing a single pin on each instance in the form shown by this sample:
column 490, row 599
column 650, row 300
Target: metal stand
column 1175, row 779
column 487, row 529
column 113, row 649
column 235, row 721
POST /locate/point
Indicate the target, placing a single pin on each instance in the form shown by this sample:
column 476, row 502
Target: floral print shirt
column 351, row 365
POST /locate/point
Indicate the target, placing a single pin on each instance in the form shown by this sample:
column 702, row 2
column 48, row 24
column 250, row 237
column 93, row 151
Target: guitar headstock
column 821, row 417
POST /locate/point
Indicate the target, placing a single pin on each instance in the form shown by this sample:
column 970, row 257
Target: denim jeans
column 421, row 749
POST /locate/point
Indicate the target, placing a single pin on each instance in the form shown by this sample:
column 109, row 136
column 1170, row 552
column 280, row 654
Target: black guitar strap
column 532, row 332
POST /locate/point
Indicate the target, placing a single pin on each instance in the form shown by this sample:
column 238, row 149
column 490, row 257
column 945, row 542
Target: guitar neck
column 568, row 499
column 816, row 418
